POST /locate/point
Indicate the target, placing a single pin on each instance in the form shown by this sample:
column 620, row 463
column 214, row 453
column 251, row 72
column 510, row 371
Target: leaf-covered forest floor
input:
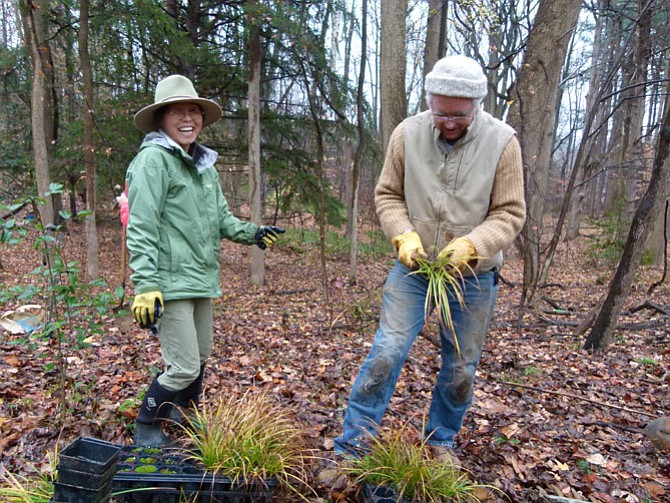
column 548, row 417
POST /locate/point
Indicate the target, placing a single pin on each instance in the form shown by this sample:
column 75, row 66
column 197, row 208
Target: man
column 178, row 215
column 451, row 185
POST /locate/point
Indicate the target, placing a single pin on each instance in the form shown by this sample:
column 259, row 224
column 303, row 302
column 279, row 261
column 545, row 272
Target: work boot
column 151, row 435
column 155, row 407
column 187, row 400
column 445, row 454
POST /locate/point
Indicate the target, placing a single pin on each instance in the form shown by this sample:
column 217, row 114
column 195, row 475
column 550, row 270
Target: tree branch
column 577, row 397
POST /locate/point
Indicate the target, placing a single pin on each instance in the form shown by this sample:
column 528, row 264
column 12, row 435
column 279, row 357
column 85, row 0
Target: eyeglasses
column 459, row 119
column 194, row 113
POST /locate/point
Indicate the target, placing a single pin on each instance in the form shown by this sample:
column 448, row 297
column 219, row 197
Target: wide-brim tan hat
column 170, row 90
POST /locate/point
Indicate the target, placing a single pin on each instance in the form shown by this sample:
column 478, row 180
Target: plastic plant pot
column 88, row 455
column 65, row 493
column 85, row 479
column 379, row 494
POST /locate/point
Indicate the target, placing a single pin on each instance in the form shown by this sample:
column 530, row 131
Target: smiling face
column 182, row 122
column 452, row 116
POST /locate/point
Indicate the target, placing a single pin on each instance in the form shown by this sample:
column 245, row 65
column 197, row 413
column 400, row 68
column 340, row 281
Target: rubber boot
column 156, row 406
column 187, row 400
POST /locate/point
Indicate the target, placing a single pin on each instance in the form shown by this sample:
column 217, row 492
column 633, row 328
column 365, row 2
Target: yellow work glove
column 461, row 253
column 147, row 308
column 409, row 247
column 266, row 235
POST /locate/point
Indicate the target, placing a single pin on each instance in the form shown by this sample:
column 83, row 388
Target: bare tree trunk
column 657, row 242
column 311, row 90
column 254, row 134
column 436, row 34
column 582, row 153
column 627, row 124
column 533, row 116
column 356, row 165
column 89, row 157
column 322, row 188
column 393, row 63
column 41, row 101
column 576, row 210
column 651, row 207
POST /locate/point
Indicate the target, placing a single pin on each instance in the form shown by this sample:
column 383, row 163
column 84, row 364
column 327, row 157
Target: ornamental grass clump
column 250, row 440
column 35, row 488
column 406, row 467
column 445, row 280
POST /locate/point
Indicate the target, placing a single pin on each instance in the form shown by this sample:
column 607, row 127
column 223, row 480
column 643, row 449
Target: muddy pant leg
column 402, row 317
column 452, row 394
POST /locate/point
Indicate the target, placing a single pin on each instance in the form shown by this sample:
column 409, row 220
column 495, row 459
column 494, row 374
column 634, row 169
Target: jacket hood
column 202, row 157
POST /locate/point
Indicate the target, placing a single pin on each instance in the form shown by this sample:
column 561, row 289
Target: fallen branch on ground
column 577, row 397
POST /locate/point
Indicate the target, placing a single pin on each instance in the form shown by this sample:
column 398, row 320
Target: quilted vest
column 448, row 194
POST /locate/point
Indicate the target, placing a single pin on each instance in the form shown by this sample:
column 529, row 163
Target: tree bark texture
column 393, row 63
column 436, row 35
column 41, row 103
column 254, row 135
column 582, row 152
column 358, row 155
column 533, row 115
column 92, row 266
column 651, row 207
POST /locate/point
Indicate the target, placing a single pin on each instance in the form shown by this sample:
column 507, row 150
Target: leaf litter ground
column 548, row 418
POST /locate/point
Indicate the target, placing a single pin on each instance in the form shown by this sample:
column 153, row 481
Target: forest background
column 311, row 92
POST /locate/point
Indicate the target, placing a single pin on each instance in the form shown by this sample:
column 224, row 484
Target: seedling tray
column 146, row 475
column 88, row 455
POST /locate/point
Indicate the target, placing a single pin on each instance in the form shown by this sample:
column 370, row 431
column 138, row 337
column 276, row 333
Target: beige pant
column 185, row 333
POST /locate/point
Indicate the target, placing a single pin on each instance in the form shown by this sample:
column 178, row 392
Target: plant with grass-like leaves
column 36, row 487
column 445, row 280
column 405, row 466
column 250, row 439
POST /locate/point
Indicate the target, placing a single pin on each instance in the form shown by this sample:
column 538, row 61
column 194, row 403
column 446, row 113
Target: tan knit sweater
column 507, row 210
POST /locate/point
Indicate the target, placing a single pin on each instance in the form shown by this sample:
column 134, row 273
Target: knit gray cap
column 457, row 76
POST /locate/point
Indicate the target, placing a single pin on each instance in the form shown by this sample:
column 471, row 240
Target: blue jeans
column 402, row 318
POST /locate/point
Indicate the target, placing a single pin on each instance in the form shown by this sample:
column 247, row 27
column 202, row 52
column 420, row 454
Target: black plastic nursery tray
column 89, row 455
column 147, row 475
column 379, row 494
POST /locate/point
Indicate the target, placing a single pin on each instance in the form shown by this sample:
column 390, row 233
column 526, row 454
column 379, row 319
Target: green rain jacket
column 178, row 215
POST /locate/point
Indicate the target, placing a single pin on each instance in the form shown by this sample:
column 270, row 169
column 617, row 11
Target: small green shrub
column 531, row 370
column 584, row 466
column 73, row 308
column 647, row 361
column 504, row 439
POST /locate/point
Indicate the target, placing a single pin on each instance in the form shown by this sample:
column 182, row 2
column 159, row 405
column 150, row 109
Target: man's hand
column 266, row 235
column 147, row 308
column 409, row 247
column 461, row 253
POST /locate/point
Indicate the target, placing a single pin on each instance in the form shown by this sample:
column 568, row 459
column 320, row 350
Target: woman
column 178, row 215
